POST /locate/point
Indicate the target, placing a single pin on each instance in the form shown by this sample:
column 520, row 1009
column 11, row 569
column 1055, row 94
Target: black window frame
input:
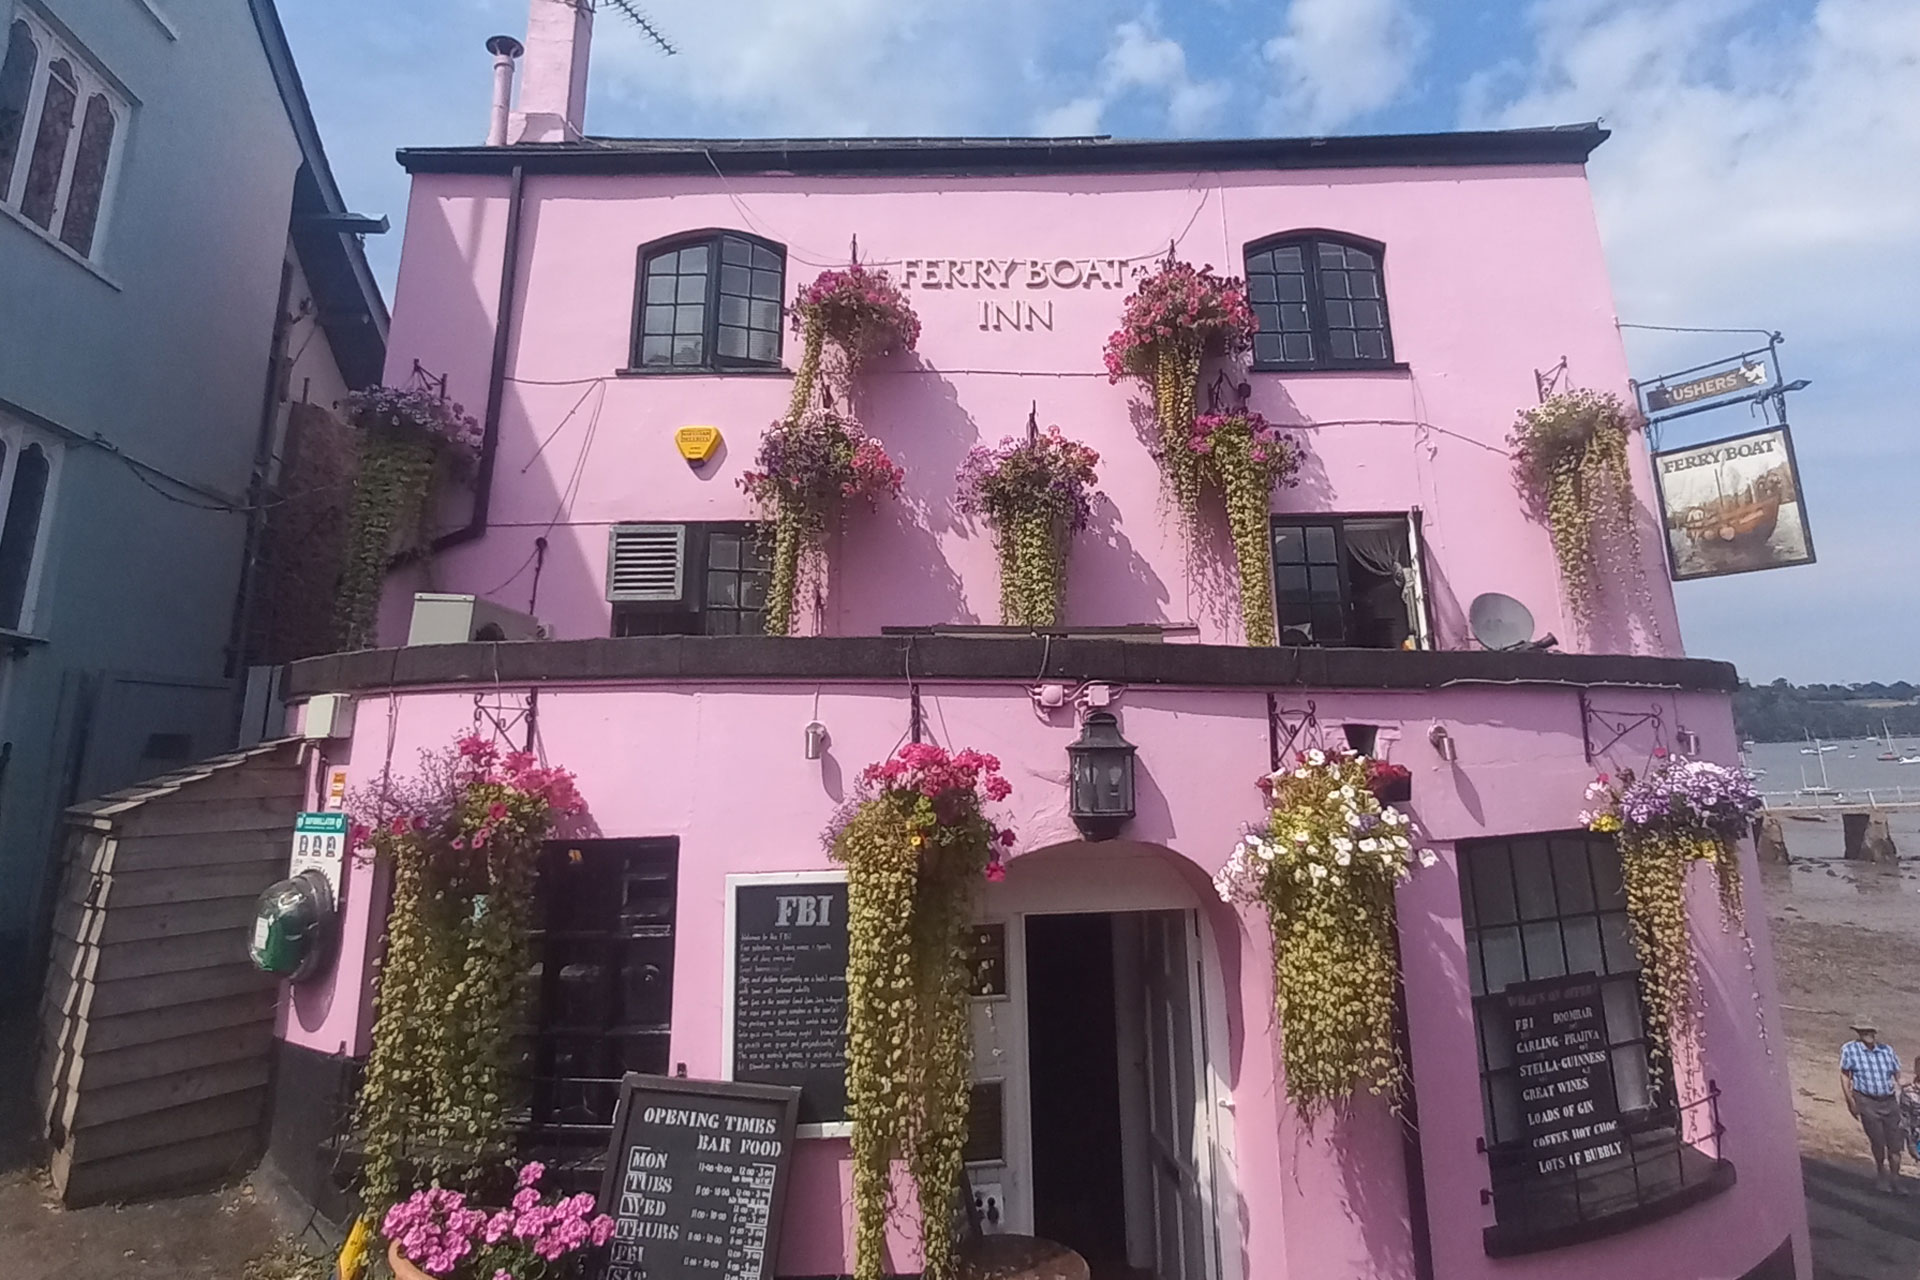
column 712, row 362
column 1661, row 1172
column 1309, row 240
column 643, row 930
column 1337, row 521
column 694, row 607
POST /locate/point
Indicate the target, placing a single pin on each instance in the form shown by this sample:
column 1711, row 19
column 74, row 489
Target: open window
column 1349, row 582
column 687, row 579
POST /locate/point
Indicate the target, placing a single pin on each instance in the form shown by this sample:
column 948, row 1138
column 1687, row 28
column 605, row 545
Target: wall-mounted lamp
column 1100, row 779
column 1689, row 741
column 816, row 739
column 1443, row 743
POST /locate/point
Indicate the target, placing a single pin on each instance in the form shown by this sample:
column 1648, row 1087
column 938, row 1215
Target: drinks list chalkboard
column 788, row 1015
column 697, row 1178
column 1569, row 1112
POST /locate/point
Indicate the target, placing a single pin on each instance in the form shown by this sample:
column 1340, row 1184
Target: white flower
column 1266, row 851
column 1316, row 757
column 1401, row 842
column 1334, row 794
column 1319, row 872
column 1353, row 819
column 1368, row 844
column 1584, row 818
column 1346, row 792
column 1343, row 858
column 1428, row 858
column 1301, row 773
column 1301, row 837
column 1342, row 843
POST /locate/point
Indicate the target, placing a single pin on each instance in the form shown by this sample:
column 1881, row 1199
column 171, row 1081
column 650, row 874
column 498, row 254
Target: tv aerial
column 639, row 18
column 1503, row 624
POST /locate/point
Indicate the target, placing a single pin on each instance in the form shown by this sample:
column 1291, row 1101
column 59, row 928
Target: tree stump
column 1868, row 839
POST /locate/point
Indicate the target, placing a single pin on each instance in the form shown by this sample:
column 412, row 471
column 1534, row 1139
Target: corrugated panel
column 646, row 562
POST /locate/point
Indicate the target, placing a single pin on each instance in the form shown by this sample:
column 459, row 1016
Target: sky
column 1764, row 173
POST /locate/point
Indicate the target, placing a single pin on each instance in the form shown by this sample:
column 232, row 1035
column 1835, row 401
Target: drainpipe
column 504, row 50
column 497, row 374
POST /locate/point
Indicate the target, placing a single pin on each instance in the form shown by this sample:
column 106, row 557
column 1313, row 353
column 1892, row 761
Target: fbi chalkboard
column 696, row 1178
column 1570, row 1116
column 787, row 990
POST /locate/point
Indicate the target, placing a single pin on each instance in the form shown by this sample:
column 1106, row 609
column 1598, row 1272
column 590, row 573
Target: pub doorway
column 1097, row 1104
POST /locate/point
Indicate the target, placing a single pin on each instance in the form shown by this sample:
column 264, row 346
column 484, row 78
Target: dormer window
column 707, row 302
column 1319, row 302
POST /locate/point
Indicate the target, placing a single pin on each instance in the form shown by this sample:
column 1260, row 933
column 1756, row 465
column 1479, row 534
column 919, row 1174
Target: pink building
column 595, row 295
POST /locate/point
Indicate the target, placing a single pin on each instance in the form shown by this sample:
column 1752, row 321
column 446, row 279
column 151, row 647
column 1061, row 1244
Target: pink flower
column 996, row 872
column 399, row 826
column 530, row 1173
column 458, row 842
column 496, row 811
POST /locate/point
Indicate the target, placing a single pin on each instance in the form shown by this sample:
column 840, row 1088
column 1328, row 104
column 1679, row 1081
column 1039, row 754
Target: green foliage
column 913, row 862
column 1176, row 391
column 1782, row 712
column 1653, row 866
column 439, row 1083
column 1033, row 570
column 1244, row 457
column 1570, row 464
column 389, row 498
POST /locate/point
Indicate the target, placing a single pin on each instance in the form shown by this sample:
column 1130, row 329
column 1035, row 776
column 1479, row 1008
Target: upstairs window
column 1348, row 582
column 1319, row 302
column 709, row 302
column 61, row 125
column 28, row 466
column 687, row 579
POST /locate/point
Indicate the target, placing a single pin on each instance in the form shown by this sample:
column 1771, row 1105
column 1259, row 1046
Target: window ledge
column 703, row 373
column 1506, row 1242
column 15, row 644
column 53, row 242
column 1397, row 367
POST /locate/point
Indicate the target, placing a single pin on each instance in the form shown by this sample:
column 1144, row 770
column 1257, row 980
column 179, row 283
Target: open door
column 1169, row 989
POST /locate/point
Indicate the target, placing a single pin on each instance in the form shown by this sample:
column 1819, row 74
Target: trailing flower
column 1325, row 866
column 1175, row 315
column 1570, row 465
column 443, row 1233
column 1035, row 494
column 807, row 468
column 1246, row 457
column 463, row 840
column 862, row 312
column 1683, row 811
column 916, row 840
column 402, row 435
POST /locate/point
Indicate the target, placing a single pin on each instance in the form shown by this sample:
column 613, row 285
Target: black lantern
column 1101, row 799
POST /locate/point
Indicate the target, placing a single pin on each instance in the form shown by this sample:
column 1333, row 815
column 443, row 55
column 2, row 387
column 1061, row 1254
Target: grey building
column 178, row 273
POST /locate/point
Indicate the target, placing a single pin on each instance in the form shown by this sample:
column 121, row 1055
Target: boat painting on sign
column 1733, row 506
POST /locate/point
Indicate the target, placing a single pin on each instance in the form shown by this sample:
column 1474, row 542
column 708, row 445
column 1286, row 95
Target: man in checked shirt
column 1870, row 1082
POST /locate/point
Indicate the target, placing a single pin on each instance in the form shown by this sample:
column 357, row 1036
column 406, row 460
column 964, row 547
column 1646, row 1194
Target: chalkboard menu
column 1569, row 1113
column 787, row 1023
column 696, row 1179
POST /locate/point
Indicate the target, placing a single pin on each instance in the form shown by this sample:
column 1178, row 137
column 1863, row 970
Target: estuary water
column 1853, row 769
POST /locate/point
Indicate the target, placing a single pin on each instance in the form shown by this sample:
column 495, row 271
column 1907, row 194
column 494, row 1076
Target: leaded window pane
column 89, row 176
column 16, row 85
column 50, row 144
column 1323, row 299
column 20, row 532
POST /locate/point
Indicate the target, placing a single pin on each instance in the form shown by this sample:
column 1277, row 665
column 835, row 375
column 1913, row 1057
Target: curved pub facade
column 1130, row 1099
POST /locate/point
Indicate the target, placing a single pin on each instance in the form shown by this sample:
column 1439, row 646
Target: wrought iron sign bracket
column 1616, row 725
column 1278, row 721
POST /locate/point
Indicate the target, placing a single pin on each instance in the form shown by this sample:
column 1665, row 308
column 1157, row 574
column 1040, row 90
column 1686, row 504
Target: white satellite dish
column 1500, row 622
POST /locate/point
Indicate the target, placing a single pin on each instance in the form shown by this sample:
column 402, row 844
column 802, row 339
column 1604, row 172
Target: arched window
column 1319, row 302
column 89, row 175
column 16, row 86
column 20, row 532
column 708, row 301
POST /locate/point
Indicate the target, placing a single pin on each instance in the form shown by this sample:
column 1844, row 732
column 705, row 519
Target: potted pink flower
column 436, row 1234
column 861, row 312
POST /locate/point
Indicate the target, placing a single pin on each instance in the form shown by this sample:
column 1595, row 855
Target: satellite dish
column 1500, row 622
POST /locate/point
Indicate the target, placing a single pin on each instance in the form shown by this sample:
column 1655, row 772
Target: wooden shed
column 156, row 1030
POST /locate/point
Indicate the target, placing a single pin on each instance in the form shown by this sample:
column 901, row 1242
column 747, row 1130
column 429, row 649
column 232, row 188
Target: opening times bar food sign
column 1570, row 1115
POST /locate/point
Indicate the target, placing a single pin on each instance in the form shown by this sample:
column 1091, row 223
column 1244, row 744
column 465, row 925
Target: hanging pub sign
column 1733, row 506
column 1746, row 376
column 785, row 1017
column 696, row 1178
column 1570, row 1116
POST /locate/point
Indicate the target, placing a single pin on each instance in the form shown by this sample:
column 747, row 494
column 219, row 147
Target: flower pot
column 401, row 1268
column 1392, row 790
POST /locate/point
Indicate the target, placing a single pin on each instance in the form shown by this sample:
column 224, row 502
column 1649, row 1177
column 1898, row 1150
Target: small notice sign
column 1570, row 1115
column 696, row 1178
column 785, row 1020
column 320, row 844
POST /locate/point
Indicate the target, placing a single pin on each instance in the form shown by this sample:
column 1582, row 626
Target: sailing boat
column 1826, row 787
column 1887, row 738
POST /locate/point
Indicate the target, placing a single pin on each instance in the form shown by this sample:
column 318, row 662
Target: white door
column 1174, row 1096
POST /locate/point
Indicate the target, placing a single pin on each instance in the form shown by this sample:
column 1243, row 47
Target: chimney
column 553, row 91
column 504, row 50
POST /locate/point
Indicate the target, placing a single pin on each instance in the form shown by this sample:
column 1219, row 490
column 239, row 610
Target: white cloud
column 1139, row 61
column 1338, row 60
column 1762, row 172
